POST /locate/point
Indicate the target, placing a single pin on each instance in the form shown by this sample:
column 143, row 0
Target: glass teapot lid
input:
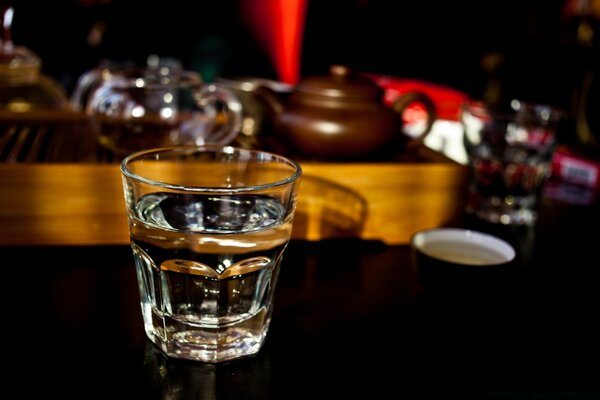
column 18, row 65
column 23, row 87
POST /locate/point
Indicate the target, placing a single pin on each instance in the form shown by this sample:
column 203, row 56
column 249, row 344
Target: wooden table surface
column 59, row 187
column 351, row 318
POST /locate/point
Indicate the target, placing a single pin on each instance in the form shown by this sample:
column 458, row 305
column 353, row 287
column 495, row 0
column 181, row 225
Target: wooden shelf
column 49, row 202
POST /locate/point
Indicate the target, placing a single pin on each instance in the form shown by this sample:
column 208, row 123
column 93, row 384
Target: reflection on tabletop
column 348, row 313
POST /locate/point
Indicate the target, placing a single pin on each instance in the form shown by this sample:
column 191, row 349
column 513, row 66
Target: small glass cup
column 509, row 154
column 208, row 226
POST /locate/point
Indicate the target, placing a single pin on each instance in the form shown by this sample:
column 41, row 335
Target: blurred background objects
column 539, row 51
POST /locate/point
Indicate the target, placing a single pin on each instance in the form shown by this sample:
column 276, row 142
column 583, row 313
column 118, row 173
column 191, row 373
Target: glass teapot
column 133, row 108
column 23, row 87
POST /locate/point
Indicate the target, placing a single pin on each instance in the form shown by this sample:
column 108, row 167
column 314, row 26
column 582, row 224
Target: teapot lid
column 341, row 84
column 20, row 71
column 18, row 57
column 15, row 59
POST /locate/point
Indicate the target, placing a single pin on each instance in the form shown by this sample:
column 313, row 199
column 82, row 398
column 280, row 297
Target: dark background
column 437, row 40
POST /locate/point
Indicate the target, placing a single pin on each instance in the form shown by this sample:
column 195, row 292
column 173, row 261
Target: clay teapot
column 343, row 117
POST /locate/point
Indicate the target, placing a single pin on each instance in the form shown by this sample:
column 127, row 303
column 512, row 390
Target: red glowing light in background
column 278, row 26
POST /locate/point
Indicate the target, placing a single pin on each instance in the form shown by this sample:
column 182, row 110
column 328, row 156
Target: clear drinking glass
column 208, row 226
column 509, row 154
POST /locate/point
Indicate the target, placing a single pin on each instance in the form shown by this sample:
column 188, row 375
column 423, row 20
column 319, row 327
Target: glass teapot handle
column 84, row 88
column 91, row 80
column 226, row 108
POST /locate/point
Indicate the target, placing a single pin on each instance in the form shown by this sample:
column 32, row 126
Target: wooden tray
column 80, row 202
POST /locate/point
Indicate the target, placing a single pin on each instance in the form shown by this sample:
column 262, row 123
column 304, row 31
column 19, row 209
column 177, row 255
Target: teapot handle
column 401, row 103
column 83, row 89
column 226, row 107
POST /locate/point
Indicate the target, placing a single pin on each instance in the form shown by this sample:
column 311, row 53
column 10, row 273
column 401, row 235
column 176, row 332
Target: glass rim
column 480, row 109
column 127, row 172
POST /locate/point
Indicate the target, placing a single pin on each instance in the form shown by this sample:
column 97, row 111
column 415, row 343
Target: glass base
column 211, row 343
column 507, row 211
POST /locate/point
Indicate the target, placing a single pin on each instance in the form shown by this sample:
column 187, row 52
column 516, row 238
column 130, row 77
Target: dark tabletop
column 351, row 320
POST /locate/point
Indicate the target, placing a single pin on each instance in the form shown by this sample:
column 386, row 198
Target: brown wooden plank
column 37, row 150
column 18, row 149
column 82, row 204
column 7, row 135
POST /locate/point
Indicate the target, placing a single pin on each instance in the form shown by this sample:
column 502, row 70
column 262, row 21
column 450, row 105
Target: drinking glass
column 208, row 227
column 509, row 154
